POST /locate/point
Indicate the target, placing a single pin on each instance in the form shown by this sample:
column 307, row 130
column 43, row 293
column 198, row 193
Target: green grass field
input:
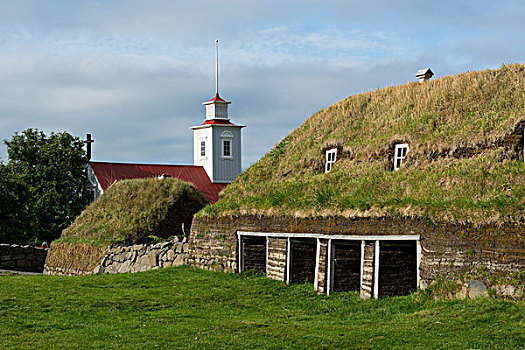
column 187, row 308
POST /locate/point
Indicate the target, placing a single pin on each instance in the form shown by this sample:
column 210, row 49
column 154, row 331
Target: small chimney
column 424, row 74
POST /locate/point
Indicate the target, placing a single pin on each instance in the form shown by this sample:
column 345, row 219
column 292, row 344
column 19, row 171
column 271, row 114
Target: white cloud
column 134, row 73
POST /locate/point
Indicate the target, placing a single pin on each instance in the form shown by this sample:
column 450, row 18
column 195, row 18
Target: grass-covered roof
column 137, row 211
column 465, row 163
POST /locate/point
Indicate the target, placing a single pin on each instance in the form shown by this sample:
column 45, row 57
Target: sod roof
column 137, row 211
column 465, row 163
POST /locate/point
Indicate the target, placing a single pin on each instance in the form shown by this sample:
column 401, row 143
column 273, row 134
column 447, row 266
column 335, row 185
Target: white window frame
column 203, row 148
column 331, row 158
column 402, row 156
column 226, row 136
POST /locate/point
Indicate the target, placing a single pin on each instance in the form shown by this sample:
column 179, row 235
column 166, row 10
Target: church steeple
column 216, row 108
column 217, row 141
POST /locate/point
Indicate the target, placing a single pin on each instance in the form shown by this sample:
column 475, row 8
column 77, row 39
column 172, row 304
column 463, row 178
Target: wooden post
column 288, row 260
column 418, row 262
column 329, row 268
column 317, row 255
column 266, row 255
column 376, row 270
column 240, row 267
column 362, row 265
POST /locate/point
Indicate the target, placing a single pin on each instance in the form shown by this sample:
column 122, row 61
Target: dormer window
column 400, row 152
column 331, row 157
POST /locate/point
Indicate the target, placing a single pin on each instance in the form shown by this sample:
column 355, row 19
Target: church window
column 203, row 148
column 226, row 139
column 226, row 147
column 331, row 157
column 400, row 152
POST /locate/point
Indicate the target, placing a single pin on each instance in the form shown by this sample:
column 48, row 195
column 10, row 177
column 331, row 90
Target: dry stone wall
column 22, row 258
column 143, row 257
column 65, row 259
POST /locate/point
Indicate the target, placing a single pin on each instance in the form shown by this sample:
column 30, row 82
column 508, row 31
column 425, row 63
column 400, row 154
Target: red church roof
column 217, row 98
column 109, row 173
column 217, row 121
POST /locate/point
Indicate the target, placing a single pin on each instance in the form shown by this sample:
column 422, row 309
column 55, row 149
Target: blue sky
column 134, row 73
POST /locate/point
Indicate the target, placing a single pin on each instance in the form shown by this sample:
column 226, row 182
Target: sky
column 134, row 73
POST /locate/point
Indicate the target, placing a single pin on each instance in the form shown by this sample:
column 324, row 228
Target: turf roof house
column 384, row 191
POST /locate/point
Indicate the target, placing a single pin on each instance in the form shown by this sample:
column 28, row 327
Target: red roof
column 216, row 98
column 217, row 121
column 109, row 173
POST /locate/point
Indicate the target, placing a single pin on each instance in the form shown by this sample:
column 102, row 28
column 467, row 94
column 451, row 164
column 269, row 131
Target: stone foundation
column 22, row 258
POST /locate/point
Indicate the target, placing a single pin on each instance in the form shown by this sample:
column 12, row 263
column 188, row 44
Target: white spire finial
column 216, row 66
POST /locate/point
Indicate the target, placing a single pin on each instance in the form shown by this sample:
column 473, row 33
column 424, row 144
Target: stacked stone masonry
column 143, row 257
column 276, row 268
column 367, row 288
column 135, row 258
column 321, row 272
column 22, row 258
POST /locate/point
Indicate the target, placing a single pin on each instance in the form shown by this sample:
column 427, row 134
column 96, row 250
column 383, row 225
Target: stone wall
column 213, row 244
column 143, row 257
column 321, row 272
column 22, row 258
column 66, row 259
column 447, row 250
column 367, row 289
column 276, row 268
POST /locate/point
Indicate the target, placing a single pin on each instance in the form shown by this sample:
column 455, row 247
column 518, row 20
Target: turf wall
column 447, row 250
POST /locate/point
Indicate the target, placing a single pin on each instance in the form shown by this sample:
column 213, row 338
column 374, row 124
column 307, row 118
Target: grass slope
column 188, row 308
column 131, row 211
column 470, row 111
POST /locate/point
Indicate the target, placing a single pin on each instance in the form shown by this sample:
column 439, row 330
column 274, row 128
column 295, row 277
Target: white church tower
column 217, row 141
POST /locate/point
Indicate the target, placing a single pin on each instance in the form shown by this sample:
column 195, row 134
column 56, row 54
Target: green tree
column 53, row 187
column 15, row 218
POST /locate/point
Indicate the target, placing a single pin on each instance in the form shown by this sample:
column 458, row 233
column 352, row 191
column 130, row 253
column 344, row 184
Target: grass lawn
column 189, row 308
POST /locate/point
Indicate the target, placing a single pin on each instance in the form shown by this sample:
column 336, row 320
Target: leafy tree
column 51, row 184
column 15, row 218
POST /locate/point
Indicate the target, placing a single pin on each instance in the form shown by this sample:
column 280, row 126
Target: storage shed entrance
column 347, row 265
column 253, row 252
column 375, row 265
column 397, row 268
column 302, row 260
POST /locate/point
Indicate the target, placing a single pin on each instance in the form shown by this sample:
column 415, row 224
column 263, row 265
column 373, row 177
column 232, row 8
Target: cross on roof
column 88, row 142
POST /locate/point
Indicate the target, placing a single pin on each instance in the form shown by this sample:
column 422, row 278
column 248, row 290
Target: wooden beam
column 337, row 237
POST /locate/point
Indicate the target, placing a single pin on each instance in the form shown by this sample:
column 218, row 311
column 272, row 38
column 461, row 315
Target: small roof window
column 331, row 157
column 400, row 152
